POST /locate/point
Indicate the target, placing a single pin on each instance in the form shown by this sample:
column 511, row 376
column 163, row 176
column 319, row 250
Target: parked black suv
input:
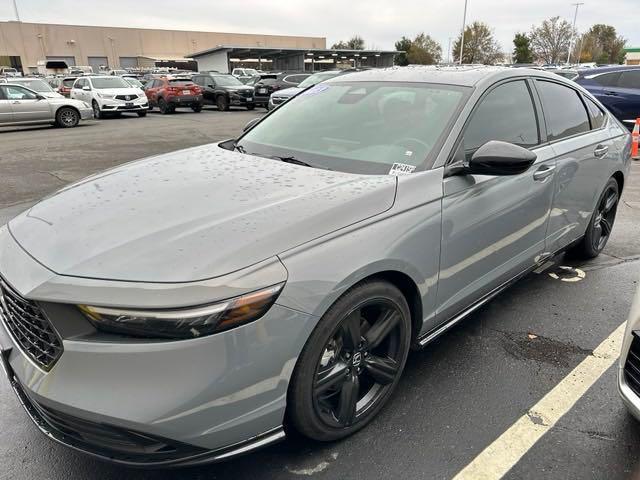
column 270, row 83
column 224, row 91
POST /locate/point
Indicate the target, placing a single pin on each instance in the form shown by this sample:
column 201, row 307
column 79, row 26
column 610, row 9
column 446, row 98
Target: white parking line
column 498, row 458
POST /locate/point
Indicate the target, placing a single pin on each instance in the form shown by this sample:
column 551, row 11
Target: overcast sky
column 379, row 22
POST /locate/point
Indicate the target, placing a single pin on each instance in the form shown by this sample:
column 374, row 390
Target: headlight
column 104, row 95
column 184, row 323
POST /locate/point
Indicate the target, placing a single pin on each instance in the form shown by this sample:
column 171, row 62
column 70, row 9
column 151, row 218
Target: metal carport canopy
column 264, row 52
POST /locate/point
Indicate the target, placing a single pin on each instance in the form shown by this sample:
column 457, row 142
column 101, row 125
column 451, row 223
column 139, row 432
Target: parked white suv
column 107, row 94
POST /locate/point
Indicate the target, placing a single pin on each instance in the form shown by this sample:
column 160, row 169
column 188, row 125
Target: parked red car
column 169, row 93
column 66, row 85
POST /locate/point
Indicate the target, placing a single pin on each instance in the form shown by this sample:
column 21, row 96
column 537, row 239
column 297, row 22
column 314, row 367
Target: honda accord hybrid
column 197, row 305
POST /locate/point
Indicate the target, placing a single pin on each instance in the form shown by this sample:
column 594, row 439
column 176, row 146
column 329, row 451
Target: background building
column 633, row 56
column 24, row 45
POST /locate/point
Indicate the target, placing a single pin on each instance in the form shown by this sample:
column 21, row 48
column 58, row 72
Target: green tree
column 601, row 44
column 424, row 50
column 480, row 46
column 403, row 45
column 354, row 43
column 550, row 41
column 522, row 52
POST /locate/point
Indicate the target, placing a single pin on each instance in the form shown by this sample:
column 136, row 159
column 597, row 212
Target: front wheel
column 601, row 224
column 67, row 118
column 142, row 114
column 251, row 106
column 352, row 362
column 222, row 103
column 97, row 113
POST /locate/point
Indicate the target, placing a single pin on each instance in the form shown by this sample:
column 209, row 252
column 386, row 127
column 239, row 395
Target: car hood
column 192, row 215
column 287, row 92
column 51, row 95
column 120, row 91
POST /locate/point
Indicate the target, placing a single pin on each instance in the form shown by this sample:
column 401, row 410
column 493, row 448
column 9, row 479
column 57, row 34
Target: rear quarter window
column 607, row 79
column 596, row 114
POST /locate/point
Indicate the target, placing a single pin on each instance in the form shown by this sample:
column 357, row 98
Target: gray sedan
column 182, row 309
column 20, row 105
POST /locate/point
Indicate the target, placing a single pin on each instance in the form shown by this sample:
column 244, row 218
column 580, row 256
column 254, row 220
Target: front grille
column 29, row 327
column 632, row 365
column 246, row 93
column 126, row 98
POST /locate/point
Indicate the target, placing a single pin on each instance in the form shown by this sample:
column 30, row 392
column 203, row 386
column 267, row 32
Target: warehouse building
column 632, row 56
column 28, row 46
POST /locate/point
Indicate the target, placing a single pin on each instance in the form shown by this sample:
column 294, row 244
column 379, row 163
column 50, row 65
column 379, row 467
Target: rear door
column 628, row 88
column 6, row 112
column 581, row 144
column 494, row 227
column 26, row 106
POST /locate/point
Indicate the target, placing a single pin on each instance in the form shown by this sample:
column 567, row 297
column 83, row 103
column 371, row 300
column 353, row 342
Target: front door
column 494, row 227
column 26, row 105
column 6, row 113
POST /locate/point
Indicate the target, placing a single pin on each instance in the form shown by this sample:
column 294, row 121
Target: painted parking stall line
column 501, row 455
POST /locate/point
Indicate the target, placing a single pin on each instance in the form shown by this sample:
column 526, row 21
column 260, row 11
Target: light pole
column 15, row 9
column 449, row 51
column 575, row 17
column 464, row 22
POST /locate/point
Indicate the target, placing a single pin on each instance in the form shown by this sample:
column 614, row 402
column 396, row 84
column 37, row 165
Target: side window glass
column 630, row 79
column 19, row 93
column 607, row 79
column 506, row 114
column 597, row 115
column 564, row 112
column 3, row 95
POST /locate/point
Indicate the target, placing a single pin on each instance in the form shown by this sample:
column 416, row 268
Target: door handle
column 16, row 101
column 601, row 151
column 543, row 172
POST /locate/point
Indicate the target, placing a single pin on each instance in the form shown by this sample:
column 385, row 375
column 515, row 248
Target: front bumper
column 86, row 113
column 240, row 100
column 206, row 399
column 138, row 105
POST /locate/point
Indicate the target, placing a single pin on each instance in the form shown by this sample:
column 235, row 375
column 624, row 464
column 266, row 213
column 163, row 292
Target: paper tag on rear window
column 401, row 169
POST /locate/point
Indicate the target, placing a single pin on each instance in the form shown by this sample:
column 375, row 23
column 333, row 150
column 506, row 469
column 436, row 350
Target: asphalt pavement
column 455, row 398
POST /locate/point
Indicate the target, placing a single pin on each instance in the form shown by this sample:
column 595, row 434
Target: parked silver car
column 181, row 309
column 21, row 105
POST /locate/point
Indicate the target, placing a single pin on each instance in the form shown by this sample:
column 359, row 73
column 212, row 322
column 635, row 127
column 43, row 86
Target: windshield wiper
column 239, row 148
column 292, row 160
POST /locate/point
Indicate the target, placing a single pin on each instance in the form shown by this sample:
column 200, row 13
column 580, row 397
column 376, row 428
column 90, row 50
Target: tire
column 97, row 113
column 142, row 114
column 339, row 359
column 251, row 107
column 67, row 117
column 164, row 107
column 600, row 225
column 197, row 107
column 150, row 107
column 222, row 103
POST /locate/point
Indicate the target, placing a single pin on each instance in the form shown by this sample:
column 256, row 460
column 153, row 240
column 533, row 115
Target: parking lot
column 456, row 398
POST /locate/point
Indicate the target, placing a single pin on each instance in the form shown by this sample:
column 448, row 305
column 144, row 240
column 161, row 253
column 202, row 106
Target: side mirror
column 250, row 125
column 86, row 88
column 40, row 97
column 500, row 158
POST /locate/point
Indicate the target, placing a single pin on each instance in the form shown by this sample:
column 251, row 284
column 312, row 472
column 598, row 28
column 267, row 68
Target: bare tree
column 480, row 46
column 550, row 41
column 354, row 43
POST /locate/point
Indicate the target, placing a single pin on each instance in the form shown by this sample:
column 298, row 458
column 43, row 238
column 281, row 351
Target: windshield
column 36, row 85
column 357, row 127
column 134, row 82
column 109, row 82
column 317, row 78
column 227, row 81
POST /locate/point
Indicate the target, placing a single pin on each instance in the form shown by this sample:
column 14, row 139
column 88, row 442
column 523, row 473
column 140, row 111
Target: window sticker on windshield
column 401, row 169
column 316, row 90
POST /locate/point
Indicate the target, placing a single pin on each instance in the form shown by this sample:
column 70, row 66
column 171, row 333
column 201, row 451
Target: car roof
column 461, row 75
column 599, row 70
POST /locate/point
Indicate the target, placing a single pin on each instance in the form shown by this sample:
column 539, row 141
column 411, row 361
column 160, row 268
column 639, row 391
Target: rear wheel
column 96, row 110
column 351, row 363
column 601, row 224
column 67, row 117
column 222, row 103
column 164, row 107
column 251, row 106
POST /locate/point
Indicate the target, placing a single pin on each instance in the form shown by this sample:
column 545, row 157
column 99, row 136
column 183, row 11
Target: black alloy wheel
column 601, row 224
column 351, row 363
column 222, row 103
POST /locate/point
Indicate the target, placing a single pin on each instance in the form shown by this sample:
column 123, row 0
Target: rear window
column 68, row 82
column 564, row 112
column 180, row 82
